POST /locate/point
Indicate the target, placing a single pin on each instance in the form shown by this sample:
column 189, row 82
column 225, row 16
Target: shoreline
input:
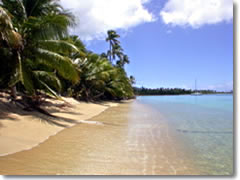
column 21, row 130
column 133, row 140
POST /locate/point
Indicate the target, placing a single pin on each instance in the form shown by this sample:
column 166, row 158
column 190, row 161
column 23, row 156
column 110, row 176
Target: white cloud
column 196, row 13
column 95, row 17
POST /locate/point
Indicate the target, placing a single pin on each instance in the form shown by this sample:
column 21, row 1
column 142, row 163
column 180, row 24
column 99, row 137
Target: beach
column 22, row 130
column 128, row 139
column 117, row 88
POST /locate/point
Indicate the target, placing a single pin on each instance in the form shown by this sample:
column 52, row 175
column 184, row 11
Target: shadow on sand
column 8, row 109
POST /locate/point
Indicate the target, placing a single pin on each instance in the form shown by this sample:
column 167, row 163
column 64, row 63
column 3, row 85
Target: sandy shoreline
column 133, row 140
column 21, row 130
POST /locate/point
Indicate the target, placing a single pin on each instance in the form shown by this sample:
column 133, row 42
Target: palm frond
column 49, row 78
column 58, row 46
column 63, row 65
column 49, row 91
column 51, row 26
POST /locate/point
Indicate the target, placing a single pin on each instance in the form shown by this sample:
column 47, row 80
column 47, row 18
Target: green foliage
column 63, row 65
column 101, row 80
column 41, row 27
column 38, row 55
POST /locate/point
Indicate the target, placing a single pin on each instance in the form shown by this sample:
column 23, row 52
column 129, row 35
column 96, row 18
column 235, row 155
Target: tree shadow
column 55, row 108
column 6, row 113
column 7, row 109
column 57, row 121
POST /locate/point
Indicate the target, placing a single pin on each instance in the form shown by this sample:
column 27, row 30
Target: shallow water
column 138, row 138
column 205, row 124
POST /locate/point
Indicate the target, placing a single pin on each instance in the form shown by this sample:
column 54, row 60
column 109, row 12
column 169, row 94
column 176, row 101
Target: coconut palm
column 113, row 42
column 11, row 44
column 120, row 86
column 41, row 30
column 101, row 80
column 94, row 74
column 115, row 50
column 41, row 57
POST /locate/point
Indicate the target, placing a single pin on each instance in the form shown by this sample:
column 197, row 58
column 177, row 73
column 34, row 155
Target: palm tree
column 42, row 24
column 112, row 39
column 10, row 42
column 41, row 57
column 115, row 50
column 101, row 80
column 94, row 73
column 119, row 86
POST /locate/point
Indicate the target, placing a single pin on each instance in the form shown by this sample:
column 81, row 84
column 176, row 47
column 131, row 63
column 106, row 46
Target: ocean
column 204, row 124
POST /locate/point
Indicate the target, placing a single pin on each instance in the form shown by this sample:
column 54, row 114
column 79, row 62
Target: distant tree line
column 161, row 91
column 172, row 91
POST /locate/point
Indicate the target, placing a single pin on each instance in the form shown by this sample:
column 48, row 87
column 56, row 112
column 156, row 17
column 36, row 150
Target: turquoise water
column 204, row 124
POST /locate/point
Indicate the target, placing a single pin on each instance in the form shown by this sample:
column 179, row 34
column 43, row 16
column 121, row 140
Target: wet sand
column 133, row 140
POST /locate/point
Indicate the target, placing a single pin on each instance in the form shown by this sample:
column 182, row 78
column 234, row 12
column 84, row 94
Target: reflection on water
column 151, row 136
column 151, row 141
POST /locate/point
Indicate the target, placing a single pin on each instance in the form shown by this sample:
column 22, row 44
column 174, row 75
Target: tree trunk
column 14, row 92
column 110, row 54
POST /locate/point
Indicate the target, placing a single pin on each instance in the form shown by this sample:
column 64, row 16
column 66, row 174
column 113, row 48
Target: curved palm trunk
column 110, row 50
column 16, row 58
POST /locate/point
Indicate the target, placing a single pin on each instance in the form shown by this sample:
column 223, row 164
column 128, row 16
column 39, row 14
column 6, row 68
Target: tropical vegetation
column 39, row 56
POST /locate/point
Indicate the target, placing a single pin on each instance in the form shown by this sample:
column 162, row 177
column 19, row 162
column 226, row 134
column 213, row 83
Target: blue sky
column 171, row 43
